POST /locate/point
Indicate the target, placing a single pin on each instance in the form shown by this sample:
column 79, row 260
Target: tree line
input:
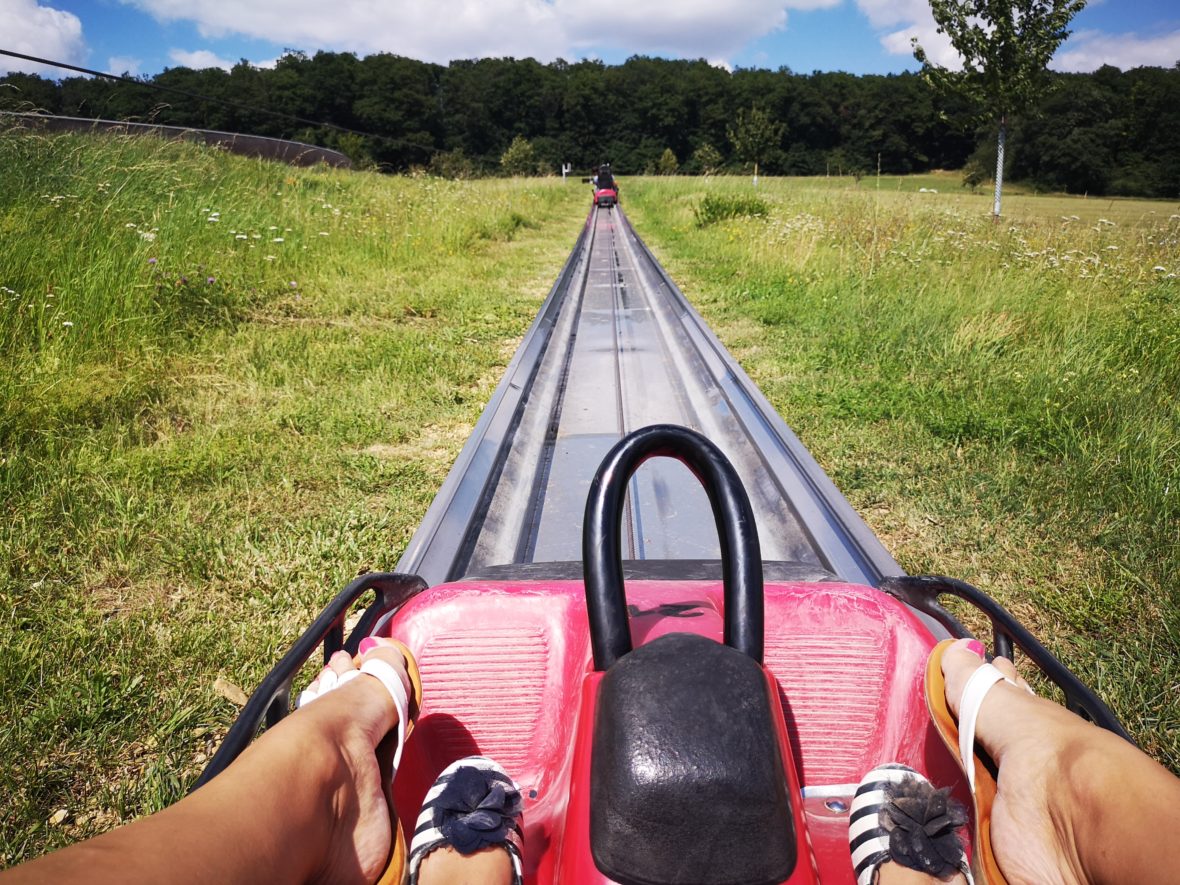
column 1108, row 132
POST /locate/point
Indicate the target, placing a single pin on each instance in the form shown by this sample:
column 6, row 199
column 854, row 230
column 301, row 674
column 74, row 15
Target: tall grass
column 998, row 400
column 226, row 387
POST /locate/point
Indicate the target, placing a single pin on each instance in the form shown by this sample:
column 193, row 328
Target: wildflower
column 147, row 235
column 151, row 261
column 213, row 218
column 67, row 324
column 294, row 285
column 241, row 237
column 277, row 240
column 1159, row 269
column 323, row 233
column 130, row 225
column 211, row 280
column 272, row 227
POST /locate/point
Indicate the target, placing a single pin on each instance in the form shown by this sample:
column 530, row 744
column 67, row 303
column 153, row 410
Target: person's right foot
column 1036, row 744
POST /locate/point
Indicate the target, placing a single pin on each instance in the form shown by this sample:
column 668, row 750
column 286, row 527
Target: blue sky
column 858, row 36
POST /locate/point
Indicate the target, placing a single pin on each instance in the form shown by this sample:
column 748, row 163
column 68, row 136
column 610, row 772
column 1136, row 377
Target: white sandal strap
column 978, row 686
column 388, row 676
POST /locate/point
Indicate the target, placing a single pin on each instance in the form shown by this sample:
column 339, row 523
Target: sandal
column 897, row 815
column 472, row 805
column 395, row 869
column 959, row 738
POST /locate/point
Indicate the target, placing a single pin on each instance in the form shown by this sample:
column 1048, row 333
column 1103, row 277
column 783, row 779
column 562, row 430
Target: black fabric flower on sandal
column 898, row 816
column 922, row 822
column 473, row 812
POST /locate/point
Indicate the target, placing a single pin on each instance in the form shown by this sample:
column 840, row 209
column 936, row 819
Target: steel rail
column 616, row 346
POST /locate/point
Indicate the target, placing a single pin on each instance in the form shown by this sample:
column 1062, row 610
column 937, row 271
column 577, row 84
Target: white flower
column 67, row 324
column 277, row 240
column 241, row 237
column 147, row 235
column 1159, row 269
column 213, row 218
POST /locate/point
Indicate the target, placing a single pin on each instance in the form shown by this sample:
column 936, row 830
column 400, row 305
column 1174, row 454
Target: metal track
column 616, row 347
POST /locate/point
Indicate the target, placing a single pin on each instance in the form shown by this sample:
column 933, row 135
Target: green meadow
column 227, row 387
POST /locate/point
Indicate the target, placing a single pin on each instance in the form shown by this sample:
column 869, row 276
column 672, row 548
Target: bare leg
column 892, row 874
column 1075, row 804
column 446, row 866
column 305, row 803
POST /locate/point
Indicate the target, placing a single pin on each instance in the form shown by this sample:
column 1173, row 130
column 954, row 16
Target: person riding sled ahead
column 604, row 180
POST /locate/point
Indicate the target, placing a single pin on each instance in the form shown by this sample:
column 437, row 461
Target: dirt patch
column 436, row 445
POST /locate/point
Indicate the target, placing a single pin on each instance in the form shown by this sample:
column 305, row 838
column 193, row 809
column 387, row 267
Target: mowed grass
column 226, row 388
column 999, row 401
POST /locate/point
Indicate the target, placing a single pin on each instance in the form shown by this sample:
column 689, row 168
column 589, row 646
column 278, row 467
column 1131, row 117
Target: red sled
column 710, row 732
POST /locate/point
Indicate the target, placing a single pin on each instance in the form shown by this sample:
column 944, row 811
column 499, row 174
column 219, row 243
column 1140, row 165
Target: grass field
column 226, row 387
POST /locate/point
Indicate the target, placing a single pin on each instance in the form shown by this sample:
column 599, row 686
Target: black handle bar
column 922, row 593
column 741, row 556
column 271, row 701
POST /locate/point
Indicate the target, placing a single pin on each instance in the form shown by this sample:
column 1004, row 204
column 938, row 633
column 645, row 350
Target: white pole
column 1000, row 166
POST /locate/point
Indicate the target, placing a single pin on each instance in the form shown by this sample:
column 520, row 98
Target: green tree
column 1005, row 46
column 707, row 159
column 518, row 158
column 667, row 164
column 754, row 135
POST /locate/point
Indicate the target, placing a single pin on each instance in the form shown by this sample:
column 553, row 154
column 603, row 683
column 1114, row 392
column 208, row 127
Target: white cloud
column 685, row 27
column 938, row 46
column 1090, row 50
column 123, row 64
column 43, row 31
column 904, row 20
column 199, row 59
column 450, row 29
column 891, row 13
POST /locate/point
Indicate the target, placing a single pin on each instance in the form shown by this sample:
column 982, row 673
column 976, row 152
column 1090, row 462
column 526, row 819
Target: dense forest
column 1109, row 132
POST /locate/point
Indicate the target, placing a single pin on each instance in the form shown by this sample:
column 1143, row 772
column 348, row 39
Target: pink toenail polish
column 977, row 647
column 367, row 643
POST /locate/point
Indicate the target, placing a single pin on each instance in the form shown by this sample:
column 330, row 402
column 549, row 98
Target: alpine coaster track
column 616, row 347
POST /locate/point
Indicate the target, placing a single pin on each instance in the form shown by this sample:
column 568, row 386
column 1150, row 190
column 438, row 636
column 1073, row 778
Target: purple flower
column 211, row 280
column 184, row 281
column 151, row 261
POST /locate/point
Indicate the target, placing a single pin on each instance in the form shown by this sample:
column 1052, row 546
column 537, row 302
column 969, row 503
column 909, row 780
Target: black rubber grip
column 741, row 555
